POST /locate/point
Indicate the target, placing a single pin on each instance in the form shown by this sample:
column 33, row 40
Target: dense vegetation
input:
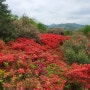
column 32, row 57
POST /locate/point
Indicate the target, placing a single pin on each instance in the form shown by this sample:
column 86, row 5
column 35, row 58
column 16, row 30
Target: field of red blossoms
column 27, row 65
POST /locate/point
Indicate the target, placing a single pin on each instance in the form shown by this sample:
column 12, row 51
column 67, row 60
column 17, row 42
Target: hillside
column 66, row 26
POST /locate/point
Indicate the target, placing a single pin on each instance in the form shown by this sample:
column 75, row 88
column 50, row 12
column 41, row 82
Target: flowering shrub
column 20, row 70
column 53, row 40
column 79, row 74
column 27, row 65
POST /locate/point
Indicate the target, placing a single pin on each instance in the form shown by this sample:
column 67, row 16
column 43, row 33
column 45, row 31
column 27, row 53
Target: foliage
column 78, row 76
column 33, row 21
column 67, row 32
column 88, row 35
column 70, row 55
column 86, row 29
column 88, row 49
column 41, row 27
column 75, row 49
column 6, row 28
column 28, row 65
column 59, row 31
column 25, row 65
column 26, row 27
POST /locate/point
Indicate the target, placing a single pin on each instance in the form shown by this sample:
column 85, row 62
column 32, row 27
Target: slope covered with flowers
column 27, row 65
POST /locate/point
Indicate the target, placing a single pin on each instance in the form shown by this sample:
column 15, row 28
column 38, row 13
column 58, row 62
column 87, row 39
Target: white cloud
column 53, row 11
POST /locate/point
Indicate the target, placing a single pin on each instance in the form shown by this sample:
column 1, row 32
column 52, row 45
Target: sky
column 53, row 11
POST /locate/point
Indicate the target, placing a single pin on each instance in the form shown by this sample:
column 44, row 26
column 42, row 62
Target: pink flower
column 7, row 85
column 36, row 72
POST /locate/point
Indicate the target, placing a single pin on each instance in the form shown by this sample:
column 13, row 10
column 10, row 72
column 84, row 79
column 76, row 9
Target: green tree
column 5, row 21
column 86, row 29
column 33, row 22
column 67, row 32
column 41, row 27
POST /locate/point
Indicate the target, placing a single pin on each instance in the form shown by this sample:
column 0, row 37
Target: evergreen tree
column 5, row 21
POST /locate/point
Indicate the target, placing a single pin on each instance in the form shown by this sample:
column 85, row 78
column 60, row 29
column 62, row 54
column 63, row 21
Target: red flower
column 88, row 86
column 53, row 40
column 9, row 57
column 1, row 59
column 21, row 71
column 88, row 44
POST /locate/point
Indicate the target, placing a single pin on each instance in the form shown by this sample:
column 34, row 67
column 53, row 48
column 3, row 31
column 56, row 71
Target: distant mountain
column 66, row 26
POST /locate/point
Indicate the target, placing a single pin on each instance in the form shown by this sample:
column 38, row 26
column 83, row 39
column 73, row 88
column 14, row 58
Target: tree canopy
column 5, row 21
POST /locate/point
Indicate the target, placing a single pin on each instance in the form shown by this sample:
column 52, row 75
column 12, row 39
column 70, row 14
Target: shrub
column 70, row 55
column 81, row 57
column 67, row 32
column 88, row 49
column 42, row 28
column 24, row 28
column 56, row 31
column 30, row 32
column 88, row 35
column 86, row 29
column 75, row 49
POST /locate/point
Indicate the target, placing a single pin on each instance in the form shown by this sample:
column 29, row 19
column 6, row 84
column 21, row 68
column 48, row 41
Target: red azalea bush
column 53, row 40
column 27, row 65
column 79, row 74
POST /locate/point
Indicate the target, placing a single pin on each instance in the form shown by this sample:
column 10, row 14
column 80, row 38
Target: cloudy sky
column 53, row 11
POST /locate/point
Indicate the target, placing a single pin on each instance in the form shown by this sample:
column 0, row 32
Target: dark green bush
column 70, row 55
column 67, row 32
column 81, row 57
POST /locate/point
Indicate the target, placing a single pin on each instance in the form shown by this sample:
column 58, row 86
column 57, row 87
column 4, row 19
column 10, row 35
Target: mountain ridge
column 66, row 26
